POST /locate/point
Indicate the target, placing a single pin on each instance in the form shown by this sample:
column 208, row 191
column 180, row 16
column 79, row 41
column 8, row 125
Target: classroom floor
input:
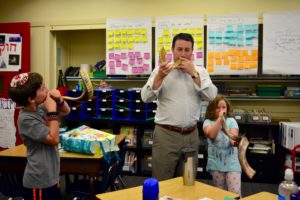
column 248, row 188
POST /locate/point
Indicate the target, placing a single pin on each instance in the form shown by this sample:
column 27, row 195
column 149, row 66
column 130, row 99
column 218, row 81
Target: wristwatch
column 196, row 75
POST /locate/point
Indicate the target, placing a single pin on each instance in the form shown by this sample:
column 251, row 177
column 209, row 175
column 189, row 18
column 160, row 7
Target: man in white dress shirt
column 179, row 92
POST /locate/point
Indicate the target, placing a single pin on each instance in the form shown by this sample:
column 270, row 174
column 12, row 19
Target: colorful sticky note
column 110, row 33
column 112, row 71
column 137, row 39
column 198, row 31
column 131, row 55
column 146, row 67
column 129, row 31
column 199, row 55
column 140, row 60
column 137, row 54
column 143, row 31
column 110, row 40
column 130, row 46
column 168, row 47
column 111, row 64
column 175, row 31
column 124, row 67
column 117, row 57
column 146, row 56
column 144, row 39
column 218, row 62
column 210, row 55
column 131, row 61
column 123, row 31
column 117, row 32
column 169, row 56
column 168, row 40
column 134, row 69
column 225, row 62
column 160, row 40
column 199, row 45
column 123, row 55
column 210, row 69
column 165, row 32
column 218, row 55
column 111, row 56
column 118, row 63
column 110, row 47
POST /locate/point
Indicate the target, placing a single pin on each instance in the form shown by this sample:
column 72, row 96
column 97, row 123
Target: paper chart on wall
column 168, row 26
column 7, row 123
column 232, row 44
column 128, row 46
column 10, row 52
column 281, row 39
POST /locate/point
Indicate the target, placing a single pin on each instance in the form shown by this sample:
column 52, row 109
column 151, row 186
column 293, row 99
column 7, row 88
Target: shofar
column 242, row 148
column 162, row 58
column 88, row 90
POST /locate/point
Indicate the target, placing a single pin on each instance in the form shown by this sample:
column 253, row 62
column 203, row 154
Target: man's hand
column 164, row 69
column 187, row 66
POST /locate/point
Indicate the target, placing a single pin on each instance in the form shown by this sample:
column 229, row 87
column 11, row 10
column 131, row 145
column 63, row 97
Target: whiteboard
column 281, row 43
column 166, row 27
column 128, row 46
column 232, row 44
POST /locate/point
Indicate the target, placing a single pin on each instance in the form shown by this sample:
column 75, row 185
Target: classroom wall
column 44, row 13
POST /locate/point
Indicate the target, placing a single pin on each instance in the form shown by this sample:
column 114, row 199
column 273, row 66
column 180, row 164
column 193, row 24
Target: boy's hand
column 50, row 103
column 55, row 95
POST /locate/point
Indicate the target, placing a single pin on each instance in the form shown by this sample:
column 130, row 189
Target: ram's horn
column 162, row 58
column 243, row 145
column 88, row 90
column 242, row 148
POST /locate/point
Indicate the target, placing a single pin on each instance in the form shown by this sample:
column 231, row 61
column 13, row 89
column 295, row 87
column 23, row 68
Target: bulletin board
column 281, row 40
column 128, row 46
column 16, row 30
column 232, row 44
column 167, row 27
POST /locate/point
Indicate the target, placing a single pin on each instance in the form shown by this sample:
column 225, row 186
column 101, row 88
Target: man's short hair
column 183, row 36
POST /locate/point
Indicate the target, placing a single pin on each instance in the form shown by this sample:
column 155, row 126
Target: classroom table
column 172, row 187
column 262, row 196
column 14, row 160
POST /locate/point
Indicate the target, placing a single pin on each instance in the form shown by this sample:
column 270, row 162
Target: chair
column 118, row 181
column 80, row 186
column 11, row 185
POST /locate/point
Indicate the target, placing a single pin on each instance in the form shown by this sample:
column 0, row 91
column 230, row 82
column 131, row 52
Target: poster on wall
column 281, row 39
column 166, row 27
column 7, row 125
column 10, row 52
column 128, row 46
column 232, row 44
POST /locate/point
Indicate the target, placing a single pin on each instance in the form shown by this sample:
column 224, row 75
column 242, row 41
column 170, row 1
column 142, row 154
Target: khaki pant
column 166, row 152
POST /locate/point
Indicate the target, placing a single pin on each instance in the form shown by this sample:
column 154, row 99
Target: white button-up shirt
column 179, row 97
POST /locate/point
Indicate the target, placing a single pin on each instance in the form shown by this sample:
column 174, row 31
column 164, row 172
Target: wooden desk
column 14, row 160
column 262, row 196
column 174, row 188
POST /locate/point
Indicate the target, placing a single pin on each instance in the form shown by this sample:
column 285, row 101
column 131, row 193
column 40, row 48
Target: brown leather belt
column 178, row 129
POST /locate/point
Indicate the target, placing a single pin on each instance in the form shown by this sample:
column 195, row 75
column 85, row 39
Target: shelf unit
column 264, row 164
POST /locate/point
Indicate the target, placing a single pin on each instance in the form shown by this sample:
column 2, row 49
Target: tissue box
column 88, row 141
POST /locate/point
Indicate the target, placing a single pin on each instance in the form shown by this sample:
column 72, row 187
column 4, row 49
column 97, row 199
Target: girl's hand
column 234, row 143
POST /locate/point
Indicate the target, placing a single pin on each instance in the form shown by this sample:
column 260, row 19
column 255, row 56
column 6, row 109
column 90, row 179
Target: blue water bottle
column 150, row 189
